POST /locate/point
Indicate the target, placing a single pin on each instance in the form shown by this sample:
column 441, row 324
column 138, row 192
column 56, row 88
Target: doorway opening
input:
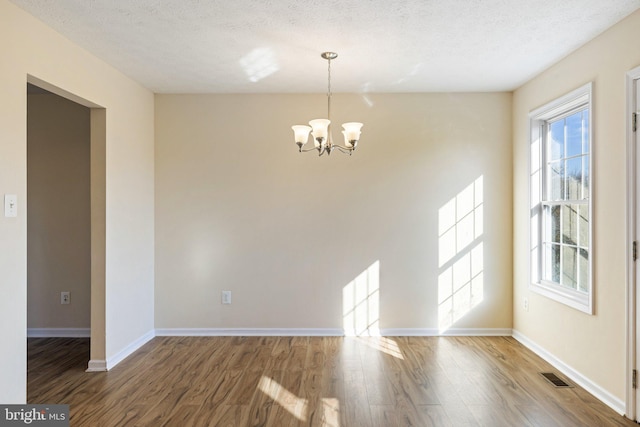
column 66, row 200
column 58, row 216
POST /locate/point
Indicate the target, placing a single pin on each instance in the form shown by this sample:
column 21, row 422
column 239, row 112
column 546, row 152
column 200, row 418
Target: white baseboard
column 246, row 332
column 610, row 400
column 96, row 366
column 453, row 332
column 58, row 332
column 128, row 350
column 328, row 332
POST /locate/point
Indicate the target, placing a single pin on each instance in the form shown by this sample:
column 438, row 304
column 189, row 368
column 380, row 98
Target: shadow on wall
column 460, row 255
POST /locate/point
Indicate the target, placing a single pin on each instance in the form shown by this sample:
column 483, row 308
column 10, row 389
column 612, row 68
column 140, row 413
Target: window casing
column 560, row 195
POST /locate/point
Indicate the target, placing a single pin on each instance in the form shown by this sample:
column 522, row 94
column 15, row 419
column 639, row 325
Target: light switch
column 226, row 297
column 10, row 205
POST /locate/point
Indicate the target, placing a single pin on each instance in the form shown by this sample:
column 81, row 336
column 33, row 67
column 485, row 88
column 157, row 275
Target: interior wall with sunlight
column 349, row 244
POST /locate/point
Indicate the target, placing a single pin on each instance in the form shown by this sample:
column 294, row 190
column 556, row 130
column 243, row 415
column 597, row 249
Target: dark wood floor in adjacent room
column 311, row 381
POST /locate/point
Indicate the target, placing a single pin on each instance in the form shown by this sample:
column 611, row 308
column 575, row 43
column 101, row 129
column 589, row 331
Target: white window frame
column 581, row 97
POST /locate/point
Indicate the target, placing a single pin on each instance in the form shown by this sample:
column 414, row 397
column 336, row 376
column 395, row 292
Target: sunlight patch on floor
column 289, row 401
column 382, row 344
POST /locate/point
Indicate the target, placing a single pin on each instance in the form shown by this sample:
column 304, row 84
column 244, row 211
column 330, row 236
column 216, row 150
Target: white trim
column 569, row 101
column 247, row 332
column 565, row 296
column 285, row 332
column 630, row 393
column 452, row 332
column 128, row 350
column 96, row 366
column 58, row 332
column 609, row 399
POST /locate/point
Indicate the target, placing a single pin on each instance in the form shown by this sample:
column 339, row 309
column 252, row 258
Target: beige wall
column 59, row 216
column 238, row 208
column 30, row 50
column 592, row 345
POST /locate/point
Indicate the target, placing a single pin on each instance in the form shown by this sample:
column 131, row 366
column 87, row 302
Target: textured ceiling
column 247, row 46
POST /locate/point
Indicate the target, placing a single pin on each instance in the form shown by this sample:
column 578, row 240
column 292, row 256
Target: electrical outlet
column 525, row 304
column 65, row 297
column 226, row 297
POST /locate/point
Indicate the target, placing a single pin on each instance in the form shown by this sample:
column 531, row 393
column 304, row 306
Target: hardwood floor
column 311, row 381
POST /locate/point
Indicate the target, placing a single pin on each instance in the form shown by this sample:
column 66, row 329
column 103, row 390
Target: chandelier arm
column 346, row 150
column 307, row 150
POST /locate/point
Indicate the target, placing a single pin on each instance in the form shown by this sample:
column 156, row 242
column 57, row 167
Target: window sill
column 573, row 299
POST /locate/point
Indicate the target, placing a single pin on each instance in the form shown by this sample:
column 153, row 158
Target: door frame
column 632, row 228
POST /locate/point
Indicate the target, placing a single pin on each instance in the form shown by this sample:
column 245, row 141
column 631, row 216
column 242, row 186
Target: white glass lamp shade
column 346, row 140
column 301, row 133
column 351, row 132
column 320, row 130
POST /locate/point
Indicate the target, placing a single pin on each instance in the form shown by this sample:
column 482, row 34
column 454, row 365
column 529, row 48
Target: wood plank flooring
column 311, row 381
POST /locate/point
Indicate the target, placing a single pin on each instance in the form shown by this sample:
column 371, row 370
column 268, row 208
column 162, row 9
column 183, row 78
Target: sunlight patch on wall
column 259, row 63
column 295, row 405
column 361, row 303
column 460, row 255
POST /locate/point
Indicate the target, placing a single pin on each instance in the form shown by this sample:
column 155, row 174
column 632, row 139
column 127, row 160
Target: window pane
column 556, row 140
column 584, row 270
column 554, row 224
column 573, row 178
column 570, row 224
column 583, row 226
column 552, row 263
column 574, row 134
column 546, row 262
column 556, row 189
column 569, row 267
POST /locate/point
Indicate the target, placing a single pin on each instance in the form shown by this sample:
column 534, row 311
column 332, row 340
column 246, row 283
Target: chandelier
column 321, row 128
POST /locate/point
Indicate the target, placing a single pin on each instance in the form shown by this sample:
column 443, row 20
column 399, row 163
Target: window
column 560, row 187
